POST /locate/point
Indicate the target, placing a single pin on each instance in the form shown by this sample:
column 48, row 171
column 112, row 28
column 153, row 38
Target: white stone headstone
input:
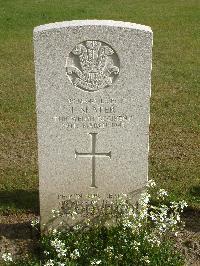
column 93, row 82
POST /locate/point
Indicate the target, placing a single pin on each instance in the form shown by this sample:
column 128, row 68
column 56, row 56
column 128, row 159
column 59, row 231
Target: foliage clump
column 122, row 234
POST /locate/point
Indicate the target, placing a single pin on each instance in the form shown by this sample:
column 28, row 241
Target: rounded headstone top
column 79, row 23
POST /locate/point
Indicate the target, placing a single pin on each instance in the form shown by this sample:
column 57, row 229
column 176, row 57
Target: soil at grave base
column 18, row 237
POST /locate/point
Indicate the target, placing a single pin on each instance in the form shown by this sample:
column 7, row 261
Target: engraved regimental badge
column 92, row 65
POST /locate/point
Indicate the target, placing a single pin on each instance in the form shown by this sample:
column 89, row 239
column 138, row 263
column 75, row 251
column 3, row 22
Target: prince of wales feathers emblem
column 92, row 65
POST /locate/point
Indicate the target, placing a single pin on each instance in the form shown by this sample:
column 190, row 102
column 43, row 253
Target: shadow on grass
column 19, row 200
column 22, row 230
column 191, row 217
column 195, row 192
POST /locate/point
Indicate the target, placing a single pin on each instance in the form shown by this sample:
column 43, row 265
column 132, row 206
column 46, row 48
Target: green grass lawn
column 175, row 101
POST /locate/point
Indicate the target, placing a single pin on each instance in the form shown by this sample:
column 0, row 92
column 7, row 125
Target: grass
column 175, row 121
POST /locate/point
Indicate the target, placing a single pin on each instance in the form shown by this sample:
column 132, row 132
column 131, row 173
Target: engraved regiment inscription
column 93, row 155
column 92, row 65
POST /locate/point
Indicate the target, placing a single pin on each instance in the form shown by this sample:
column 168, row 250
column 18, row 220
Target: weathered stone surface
column 93, row 89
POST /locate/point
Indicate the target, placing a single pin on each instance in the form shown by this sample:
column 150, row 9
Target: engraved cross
column 93, row 154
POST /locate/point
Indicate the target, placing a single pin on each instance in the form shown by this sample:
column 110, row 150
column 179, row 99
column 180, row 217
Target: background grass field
column 174, row 140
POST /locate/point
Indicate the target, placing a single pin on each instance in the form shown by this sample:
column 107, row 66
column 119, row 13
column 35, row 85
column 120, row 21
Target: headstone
column 93, row 83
